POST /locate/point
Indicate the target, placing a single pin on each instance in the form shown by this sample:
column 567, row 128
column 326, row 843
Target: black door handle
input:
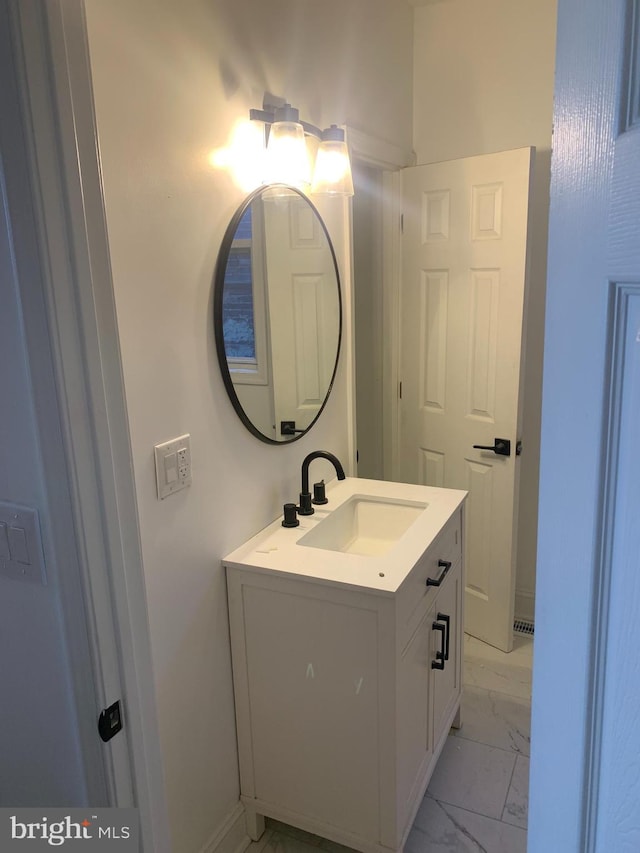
column 289, row 428
column 501, row 446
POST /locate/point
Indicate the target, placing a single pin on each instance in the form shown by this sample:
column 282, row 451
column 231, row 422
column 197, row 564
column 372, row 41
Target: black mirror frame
column 218, row 295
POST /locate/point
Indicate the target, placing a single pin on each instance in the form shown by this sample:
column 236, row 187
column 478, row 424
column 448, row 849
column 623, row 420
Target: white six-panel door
column 585, row 784
column 303, row 310
column 464, row 254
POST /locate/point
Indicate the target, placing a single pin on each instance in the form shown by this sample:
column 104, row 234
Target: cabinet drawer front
column 414, row 596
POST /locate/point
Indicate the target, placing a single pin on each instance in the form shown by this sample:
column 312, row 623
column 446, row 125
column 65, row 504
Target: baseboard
column 525, row 606
column 232, row 836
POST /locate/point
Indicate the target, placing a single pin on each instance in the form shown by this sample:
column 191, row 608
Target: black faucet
column 305, row 507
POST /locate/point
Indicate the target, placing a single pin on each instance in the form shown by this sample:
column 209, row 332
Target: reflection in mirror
column 277, row 313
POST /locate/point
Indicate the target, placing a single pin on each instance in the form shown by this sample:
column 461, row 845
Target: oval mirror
column 277, row 313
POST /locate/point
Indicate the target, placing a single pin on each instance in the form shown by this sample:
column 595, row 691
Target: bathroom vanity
column 346, row 637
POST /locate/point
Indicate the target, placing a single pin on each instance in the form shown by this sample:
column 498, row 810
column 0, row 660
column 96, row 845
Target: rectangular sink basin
column 364, row 525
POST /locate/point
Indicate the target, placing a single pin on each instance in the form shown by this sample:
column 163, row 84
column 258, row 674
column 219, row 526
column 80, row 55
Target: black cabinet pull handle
column 438, row 663
column 442, row 617
column 445, row 565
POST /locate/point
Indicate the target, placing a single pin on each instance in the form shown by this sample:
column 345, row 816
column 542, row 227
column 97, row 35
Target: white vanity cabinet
column 341, row 713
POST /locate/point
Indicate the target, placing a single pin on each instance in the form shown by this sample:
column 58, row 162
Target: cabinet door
column 446, row 682
column 415, row 746
column 313, row 698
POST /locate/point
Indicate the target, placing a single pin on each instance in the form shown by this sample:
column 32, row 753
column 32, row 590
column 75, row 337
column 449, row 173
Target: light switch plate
column 173, row 465
column 21, row 554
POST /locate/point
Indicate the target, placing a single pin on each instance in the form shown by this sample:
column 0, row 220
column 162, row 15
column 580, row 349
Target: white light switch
column 18, row 545
column 173, row 465
column 21, row 554
column 4, row 541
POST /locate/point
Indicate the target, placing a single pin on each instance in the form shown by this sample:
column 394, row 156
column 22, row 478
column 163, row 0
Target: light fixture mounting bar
column 311, row 129
column 268, row 117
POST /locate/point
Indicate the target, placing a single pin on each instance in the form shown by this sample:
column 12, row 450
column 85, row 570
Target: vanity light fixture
column 296, row 150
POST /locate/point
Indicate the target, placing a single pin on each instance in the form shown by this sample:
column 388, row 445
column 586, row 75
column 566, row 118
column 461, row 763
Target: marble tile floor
column 477, row 798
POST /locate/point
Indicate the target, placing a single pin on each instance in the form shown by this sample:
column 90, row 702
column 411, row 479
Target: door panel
column 301, row 307
column 463, row 285
column 617, row 816
column 586, row 707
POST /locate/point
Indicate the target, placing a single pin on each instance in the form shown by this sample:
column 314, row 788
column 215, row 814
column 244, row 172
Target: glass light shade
column 243, row 156
column 247, row 155
column 287, row 157
column 332, row 173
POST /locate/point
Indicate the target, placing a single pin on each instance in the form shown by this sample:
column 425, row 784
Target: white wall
column 170, row 79
column 483, row 82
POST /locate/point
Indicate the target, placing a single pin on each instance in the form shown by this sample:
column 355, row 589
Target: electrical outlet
column 173, row 465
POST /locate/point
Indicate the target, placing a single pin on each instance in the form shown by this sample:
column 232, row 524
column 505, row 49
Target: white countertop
column 276, row 549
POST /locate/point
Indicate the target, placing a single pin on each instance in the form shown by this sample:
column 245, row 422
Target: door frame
column 388, row 159
column 50, row 52
column 110, row 482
